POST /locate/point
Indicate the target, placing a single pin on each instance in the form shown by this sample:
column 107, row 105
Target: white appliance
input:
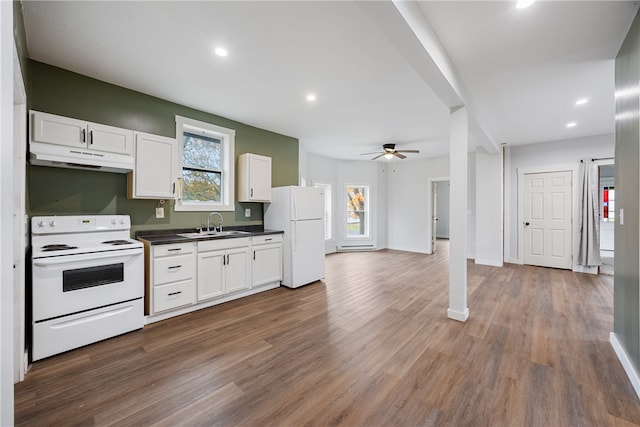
column 299, row 212
column 88, row 281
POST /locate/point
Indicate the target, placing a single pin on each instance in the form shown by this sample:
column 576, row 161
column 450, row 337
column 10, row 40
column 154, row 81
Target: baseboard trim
column 490, row 262
column 626, row 362
column 457, row 315
column 512, row 261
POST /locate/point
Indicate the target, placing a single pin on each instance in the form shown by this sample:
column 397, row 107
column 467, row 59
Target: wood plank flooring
column 369, row 346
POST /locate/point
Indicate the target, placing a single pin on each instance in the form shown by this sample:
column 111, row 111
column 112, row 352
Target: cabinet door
column 237, row 270
column 266, row 264
column 59, row 130
column 155, row 158
column 110, row 139
column 260, row 178
column 210, row 274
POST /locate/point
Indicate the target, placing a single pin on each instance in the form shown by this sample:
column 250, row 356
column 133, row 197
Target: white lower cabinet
column 172, row 274
column 223, row 267
column 183, row 277
column 266, row 263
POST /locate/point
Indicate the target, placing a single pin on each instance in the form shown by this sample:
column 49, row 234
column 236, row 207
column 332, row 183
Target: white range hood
column 42, row 154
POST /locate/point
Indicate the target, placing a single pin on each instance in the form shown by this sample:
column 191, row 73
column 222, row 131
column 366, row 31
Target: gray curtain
column 589, row 244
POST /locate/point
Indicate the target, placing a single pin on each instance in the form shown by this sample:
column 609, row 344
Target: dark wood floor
column 370, row 346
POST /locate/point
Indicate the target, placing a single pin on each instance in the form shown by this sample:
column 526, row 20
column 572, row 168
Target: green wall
column 626, row 295
column 71, row 192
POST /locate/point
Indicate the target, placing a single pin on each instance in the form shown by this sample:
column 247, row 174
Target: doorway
column 439, row 213
column 607, row 204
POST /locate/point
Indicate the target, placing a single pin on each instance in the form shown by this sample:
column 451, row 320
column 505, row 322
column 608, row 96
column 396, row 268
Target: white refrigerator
column 299, row 212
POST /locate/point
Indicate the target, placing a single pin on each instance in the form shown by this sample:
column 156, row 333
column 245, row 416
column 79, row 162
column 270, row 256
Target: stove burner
column 58, row 247
column 116, row 242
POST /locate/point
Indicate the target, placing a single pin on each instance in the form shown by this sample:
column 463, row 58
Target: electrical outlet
column 159, row 212
column 247, row 213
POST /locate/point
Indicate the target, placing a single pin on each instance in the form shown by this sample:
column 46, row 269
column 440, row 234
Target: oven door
column 69, row 284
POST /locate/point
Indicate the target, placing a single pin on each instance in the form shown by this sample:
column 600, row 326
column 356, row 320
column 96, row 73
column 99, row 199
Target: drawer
column 175, row 249
column 222, row 244
column 173, row 269
column 269, row 238
column 173, row 295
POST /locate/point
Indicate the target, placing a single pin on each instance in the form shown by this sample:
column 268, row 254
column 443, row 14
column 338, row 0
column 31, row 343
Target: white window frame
column 227, row 138
column 367, row 211
column 328, row 208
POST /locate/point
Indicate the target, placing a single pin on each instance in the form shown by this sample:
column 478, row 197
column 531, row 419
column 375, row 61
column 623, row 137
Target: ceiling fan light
column 388, row 156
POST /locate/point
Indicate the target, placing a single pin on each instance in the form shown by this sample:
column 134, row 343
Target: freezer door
column 307, row 252
column 307, row 203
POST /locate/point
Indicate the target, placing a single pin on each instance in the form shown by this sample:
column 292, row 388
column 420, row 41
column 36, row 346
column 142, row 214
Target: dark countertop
column 163, row 237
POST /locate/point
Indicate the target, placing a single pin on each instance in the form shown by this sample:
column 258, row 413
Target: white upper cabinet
column 254, row 178
column 52, row 129
column 154, row 174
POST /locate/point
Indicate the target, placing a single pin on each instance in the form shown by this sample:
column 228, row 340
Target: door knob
column 526, row 223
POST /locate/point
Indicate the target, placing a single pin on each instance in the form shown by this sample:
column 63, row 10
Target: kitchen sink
column 215, row 234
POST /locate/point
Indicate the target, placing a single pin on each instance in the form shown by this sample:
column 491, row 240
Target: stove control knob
column 113, row 221
column 122, row 221
column 42, row 223
column 52, row 223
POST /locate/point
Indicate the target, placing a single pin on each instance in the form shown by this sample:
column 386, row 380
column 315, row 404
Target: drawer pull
column 174, row 293
column 267, row 240
column 174, row 249
column 174, row 267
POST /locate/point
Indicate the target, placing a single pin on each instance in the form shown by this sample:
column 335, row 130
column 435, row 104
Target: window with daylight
column 357, row 211
column 327, row 207
column 206, row 171
column 608, row 204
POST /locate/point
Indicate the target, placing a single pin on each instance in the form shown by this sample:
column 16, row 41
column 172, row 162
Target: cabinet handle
column 173, row 191
column 174, row 249
column 268, row 240
column 174, row 267
column 91, row 137
column 227, row 259
column 174, row 293
column 84, row 135
column 254, row 255
column 252, row 192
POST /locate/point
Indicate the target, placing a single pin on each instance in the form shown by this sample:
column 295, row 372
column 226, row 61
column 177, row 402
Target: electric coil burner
column 88, row 281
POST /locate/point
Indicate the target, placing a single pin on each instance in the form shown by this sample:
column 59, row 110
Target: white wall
column 324, row 170
column 6, row 213
column 544, row 155
column 339, row 173
column 442, row 209
column 489, row 211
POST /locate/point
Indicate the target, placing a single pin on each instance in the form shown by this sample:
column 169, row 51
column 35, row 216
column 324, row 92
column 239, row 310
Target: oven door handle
column 85, row 257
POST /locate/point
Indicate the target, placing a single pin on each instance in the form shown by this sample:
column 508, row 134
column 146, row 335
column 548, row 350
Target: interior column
column 458, row 167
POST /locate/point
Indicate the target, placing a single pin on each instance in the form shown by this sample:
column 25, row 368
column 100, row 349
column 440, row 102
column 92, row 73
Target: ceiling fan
column 389, row 150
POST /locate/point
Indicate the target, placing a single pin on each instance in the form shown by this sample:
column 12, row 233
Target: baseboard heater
column 345, row 248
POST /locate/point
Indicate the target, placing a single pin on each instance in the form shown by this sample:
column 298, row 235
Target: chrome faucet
column 219, row 224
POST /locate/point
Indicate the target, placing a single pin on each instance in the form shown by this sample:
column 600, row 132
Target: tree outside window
column 357, row 207
column 201, row 168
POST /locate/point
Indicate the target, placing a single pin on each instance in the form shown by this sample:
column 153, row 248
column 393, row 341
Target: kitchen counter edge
column 168, row 237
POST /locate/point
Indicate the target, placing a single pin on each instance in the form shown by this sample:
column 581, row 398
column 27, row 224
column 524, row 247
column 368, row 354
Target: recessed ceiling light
column 571, row 124
column 521, row 4
column 582, row 101
column 311, row 97
column 220, row 51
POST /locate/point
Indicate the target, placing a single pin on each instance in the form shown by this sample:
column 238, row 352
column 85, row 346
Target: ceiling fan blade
column 407, row 151
column 400, row 156
column 368, row 154
column 378, row 156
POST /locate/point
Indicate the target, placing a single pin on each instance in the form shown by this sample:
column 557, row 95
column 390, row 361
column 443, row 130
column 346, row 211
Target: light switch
column 159, row 212
column 247, row 213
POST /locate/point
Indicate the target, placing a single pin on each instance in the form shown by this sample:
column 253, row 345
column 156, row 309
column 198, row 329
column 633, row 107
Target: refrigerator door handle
column 294, row 236
column 295, row 208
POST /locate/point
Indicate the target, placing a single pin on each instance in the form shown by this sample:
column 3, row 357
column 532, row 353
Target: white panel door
column 547, row 219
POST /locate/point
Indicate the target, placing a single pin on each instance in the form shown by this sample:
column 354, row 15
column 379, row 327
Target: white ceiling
column 523, row 69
